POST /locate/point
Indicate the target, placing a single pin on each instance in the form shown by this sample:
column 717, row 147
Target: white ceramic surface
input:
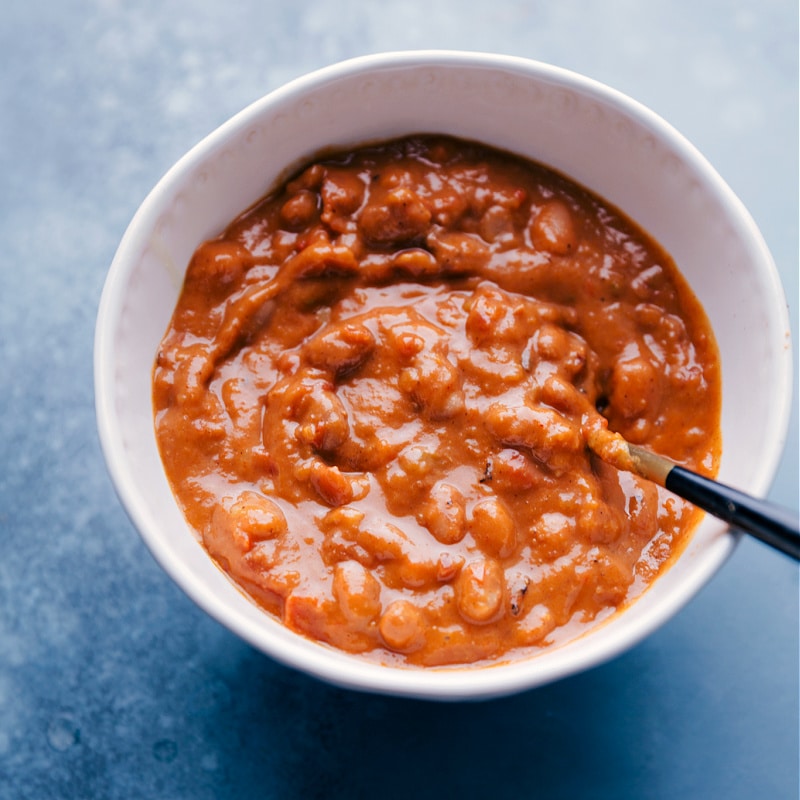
column 593, row 134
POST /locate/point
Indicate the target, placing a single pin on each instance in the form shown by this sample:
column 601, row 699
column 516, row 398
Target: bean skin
column 340, row 348
column 322, row 419
column 217, row 267
column 357, row 592
column 300, row 210
column 444, row 514
column 553, row 229
column 513, row 471
column 402, row 627
column 634, row 386
column 331, row 484
column 235, row 527
column 480, row 591
column 552, row 438
column 400, row 217
column 342, row 194
column 493, row 528
column 435, row 385
column 458, row 252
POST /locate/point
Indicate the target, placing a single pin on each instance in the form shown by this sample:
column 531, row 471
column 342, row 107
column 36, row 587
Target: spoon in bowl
column 776, row 526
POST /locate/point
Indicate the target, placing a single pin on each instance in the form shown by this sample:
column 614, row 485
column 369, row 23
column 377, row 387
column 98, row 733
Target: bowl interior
column 592, row 134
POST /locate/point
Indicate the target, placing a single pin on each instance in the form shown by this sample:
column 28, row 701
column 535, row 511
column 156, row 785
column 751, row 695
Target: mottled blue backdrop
column 112, row 683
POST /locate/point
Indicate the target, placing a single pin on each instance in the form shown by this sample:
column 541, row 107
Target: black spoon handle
column 771, row 524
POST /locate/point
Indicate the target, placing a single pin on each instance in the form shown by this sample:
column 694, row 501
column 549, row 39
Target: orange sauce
column 370, row 400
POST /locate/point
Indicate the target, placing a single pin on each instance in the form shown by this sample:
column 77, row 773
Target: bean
column 486, row 307
column 320, row 257
column 553, row 229
column 257, row 516
column 416, row 462
column 341, row 529
column 216, row 267
column 330, row 484
column 496, row 316
column 563, row 396
column 434, row 384
column 551, row 343
column 480, row 589
column 400, row 217
column 497, row 225
column 536, row 624
column 459, row 253
column 552, row 438
column 340, row 348
column 236, row 526
column 310, row 178
column 512, row 470
column 444, row 513
column 448, row 206
column 356, row 591
column 600, row 522
column 346, row 518
column 554, row 532
column 300, row 210
column 416, row 262
column 492, row 528
column 402, row 627
column 634, row 387
column 406, row 344
column 342, row 194
column 322, row 419
column 610, row 575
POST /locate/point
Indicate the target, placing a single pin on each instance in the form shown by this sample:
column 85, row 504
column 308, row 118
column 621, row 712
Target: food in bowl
column 371, row 397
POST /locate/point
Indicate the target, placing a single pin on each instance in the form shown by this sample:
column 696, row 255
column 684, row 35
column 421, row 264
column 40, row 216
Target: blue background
column 112, row 683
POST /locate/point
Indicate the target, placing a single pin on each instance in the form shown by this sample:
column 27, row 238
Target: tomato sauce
column 371, row 397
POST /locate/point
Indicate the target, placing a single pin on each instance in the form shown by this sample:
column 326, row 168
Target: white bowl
column 597, row 136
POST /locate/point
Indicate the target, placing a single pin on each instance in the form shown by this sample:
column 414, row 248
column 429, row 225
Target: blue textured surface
column 112, row 683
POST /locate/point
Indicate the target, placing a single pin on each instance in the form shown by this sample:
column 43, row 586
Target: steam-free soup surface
column 371, row 399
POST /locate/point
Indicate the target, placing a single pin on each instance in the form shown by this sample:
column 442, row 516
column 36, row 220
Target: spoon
column 776, row 526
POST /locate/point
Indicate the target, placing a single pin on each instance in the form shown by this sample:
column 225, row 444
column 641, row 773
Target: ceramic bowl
column 593, row 134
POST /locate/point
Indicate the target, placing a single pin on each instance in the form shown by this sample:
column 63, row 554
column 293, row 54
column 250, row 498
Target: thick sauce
column 371, row 401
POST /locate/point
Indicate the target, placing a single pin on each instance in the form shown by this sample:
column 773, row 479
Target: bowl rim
column 457, row 683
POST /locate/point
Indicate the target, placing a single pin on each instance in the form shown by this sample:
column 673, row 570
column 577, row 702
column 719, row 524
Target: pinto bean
column 402, row 627
column 331, row 484
column 340, row 348
column 356, row 591
column 217, row 266
column 444, row 513
column 435, row 384
column 552, row 438
column 553, row 229
column 459, row 253
column 634, row 386
column 236, row 526
column 492, row 527
column 497, row 225
column 300, row 210
column 321, row 257
column 323, row 423
column 480, row 590
column 342, row 194
column 400, row 217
